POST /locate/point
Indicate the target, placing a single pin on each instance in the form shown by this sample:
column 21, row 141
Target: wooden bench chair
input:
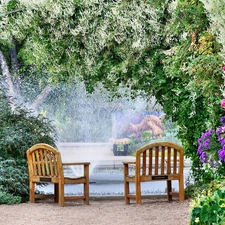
column 45, row 166
column 155, row 162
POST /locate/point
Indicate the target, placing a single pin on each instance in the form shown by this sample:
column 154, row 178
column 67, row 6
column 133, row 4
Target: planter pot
column 120, row 151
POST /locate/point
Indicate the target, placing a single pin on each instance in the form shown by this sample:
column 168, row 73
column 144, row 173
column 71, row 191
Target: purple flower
column 221, row 154
column 199, row 149
column 222, row 119
column 206, row 143
column 138, row 135
column 212, row 142
column 204, row 157
column 212, row 163
column 207, row 134
column 221, row 140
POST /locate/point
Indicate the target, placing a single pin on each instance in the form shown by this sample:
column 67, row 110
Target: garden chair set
column 153, row 162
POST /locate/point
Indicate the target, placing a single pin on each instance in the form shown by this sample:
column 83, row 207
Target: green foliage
column 192, row 78
column 200, row 177
column 216, row 10
column 6, row 198
column 86, row 39
column 19, row 130
column 209, row 206
column 13, row 180
column 189, row 16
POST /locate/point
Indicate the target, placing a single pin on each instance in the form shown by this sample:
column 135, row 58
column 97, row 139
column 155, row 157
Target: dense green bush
column 19, row 130
column 209, row 206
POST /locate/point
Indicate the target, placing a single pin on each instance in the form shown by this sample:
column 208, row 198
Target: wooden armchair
column 45, row 166
column 159, row 161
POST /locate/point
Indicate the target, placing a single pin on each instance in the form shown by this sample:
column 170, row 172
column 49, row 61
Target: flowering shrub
column 208, row 208
column 138, row 140
column 222, row 103
column 211, row 147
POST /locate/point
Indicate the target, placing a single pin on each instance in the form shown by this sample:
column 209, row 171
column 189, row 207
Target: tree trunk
column 13, row 56
column 8, row 80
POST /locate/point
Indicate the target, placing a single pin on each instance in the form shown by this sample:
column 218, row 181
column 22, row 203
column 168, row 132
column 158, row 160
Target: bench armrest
column 129, row 163
column 76, row 163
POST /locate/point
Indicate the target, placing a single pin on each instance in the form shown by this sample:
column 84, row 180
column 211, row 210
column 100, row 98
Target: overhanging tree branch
column 41, row 96
column 11, row 12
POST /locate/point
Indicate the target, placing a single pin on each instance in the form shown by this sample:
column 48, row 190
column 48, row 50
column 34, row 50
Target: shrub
column 209, row 207
column 19, row 130
column 6, row 198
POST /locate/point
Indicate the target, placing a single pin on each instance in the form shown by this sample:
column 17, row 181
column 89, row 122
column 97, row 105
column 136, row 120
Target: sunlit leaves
column 216, row 10
column 95, row 40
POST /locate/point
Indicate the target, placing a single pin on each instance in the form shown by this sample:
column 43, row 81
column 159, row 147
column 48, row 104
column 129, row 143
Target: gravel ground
column 104, row 212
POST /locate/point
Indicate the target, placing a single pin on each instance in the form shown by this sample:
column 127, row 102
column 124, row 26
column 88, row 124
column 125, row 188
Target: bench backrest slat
column 159, row 158
column 162, row 160
column 150, row 163
column 44, row 162
column 156, row 160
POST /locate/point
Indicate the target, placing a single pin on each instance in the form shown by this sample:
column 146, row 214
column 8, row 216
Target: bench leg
column 56, row 192
column 138, row 192
column 126, row 185
column 181, row 189
column 32, row 192
column 86, row 193
column 126, row 192
column 61, row 194
column 86, row 184
column 169, row 189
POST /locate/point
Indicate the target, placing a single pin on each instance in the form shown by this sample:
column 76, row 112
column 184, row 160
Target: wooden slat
column 156, row 160
column 168, row 160
column 40, row 196
column 162, row 160
column 150, row 162
column 174, row 193
column 52, row 173
column 41, row 155
column 82, row 163
column 38, row 163
column 33, row 162
column 56, row 172
column 74, row 198
column 175, row 161
column 144, row 163
column 47, row 161
column 131, row 196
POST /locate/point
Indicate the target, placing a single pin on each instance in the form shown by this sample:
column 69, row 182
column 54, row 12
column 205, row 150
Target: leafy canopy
column 95, row 41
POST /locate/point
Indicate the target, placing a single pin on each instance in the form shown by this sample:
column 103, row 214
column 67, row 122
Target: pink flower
column 223, row 68
column 222, row 103
column 216, row 94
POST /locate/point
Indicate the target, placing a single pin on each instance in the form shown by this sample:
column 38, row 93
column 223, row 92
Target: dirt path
column 99, row 212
